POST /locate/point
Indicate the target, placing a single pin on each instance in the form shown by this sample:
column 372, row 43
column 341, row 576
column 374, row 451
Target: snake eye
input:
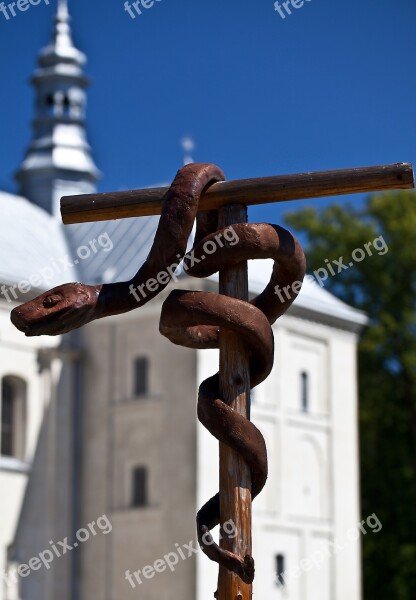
column 51, row 300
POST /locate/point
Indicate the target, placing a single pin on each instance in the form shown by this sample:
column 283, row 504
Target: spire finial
column 59, row 147
column 62, row 31
column 188, row 145
column 62, row 12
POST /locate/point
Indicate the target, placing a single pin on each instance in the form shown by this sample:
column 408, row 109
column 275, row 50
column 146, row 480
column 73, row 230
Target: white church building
column 103, row 464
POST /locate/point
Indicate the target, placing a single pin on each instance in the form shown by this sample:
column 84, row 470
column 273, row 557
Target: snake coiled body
column 195, row 319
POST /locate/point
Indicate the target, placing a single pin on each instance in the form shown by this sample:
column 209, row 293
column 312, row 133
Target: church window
column 13, row 417
column 139, row 487
column 50, row 102
column 141, row 376
column 280, row 570
column 304, row 390
column 66, row 105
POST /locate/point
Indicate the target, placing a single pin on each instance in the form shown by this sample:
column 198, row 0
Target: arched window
column 304, row 391
column 66, row 105
column 50, row 104
column 13, row 417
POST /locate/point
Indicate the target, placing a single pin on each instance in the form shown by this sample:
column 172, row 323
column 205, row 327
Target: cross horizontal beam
column 264, row 190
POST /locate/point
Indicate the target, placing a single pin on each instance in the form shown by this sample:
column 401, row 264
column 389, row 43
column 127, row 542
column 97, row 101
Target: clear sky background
column 331, row 86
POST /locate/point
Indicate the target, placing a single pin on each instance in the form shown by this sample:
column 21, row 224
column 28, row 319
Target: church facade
column 103, row 464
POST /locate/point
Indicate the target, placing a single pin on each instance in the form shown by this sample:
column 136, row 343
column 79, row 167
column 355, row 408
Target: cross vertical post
column 235, row 479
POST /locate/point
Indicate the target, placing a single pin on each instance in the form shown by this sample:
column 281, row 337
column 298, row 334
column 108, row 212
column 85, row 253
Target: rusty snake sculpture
column 195, row 319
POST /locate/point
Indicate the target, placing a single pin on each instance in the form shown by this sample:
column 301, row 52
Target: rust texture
column 195, row 319
column 235, row 475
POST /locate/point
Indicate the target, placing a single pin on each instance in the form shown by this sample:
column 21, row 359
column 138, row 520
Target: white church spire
column 58, row 161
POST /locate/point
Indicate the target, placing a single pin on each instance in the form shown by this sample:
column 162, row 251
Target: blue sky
column 331, row 86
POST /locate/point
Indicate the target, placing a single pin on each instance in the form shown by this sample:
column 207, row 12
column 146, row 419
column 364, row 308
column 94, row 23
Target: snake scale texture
column 195, row 319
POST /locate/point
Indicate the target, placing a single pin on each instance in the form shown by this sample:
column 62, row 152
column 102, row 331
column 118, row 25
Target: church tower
column 58, row 161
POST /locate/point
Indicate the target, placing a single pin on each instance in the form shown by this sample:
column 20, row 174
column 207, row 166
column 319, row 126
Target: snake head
column 57, row 311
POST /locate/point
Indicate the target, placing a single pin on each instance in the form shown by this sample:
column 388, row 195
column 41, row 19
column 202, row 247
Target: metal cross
column 231, row 199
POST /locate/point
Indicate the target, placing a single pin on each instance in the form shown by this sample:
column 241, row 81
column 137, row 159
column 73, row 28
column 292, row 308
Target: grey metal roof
column 33, row 245
column 132, row 240
column 312, row 297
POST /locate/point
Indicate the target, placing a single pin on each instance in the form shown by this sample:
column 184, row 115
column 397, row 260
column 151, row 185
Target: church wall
column 19, row 359
column 311, row 496
column 121, row 431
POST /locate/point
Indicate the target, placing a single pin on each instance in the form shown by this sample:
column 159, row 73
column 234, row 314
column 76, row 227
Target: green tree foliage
column 384, row 286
